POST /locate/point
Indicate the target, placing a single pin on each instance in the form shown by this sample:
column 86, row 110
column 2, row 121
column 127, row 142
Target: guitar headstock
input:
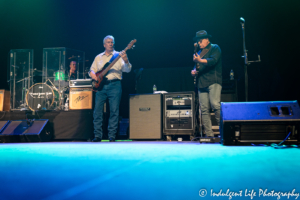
column 130, row 45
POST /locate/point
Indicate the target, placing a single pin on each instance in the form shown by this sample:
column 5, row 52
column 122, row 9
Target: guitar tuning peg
column 132, row 46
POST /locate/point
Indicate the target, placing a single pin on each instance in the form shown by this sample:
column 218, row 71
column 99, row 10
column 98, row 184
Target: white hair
column 109, row 37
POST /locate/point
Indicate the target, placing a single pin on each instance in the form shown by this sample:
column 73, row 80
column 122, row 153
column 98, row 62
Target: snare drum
column 41, row 96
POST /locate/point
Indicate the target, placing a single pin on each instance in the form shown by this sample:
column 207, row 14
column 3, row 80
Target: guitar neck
column 197, row 64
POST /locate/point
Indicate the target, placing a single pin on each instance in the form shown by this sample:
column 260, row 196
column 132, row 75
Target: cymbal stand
column 60, row 105
column 57, row 107
column 25, row 88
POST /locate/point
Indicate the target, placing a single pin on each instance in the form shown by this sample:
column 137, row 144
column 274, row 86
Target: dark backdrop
column 164, row 30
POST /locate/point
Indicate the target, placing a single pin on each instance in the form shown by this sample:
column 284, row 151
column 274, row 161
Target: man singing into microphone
column 209, row 78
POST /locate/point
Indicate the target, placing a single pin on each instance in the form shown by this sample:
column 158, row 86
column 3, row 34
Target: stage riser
column 70, row 125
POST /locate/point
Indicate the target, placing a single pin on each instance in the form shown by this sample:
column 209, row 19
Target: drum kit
column 46, row 89
column 48, row 95
column 42, row 96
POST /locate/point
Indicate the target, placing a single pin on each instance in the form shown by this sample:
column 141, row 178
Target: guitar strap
column 114, row 57
column 204, row 51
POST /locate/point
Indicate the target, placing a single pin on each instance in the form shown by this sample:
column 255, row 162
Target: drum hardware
column 23, row 104
column 59, row 105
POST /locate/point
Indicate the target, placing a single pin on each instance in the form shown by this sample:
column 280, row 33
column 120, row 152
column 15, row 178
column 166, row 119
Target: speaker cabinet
column 260, row 122
column 3, row 125
column 4, row 100
column 25, row 131
column 145, row 116
column 81, row 98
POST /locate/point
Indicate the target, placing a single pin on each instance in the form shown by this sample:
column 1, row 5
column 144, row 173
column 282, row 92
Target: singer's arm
column 212, row 59
column 197, row 59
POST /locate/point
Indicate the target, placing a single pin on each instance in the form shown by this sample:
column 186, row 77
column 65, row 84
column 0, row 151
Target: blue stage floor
column 146, row 170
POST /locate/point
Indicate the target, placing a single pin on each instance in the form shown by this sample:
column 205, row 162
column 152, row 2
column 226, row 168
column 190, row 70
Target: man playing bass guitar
column 110, row 89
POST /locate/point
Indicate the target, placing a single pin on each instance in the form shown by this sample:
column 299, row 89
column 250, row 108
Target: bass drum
column 41, row 96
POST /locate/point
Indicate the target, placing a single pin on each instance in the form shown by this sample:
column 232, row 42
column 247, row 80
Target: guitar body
column 100, row 78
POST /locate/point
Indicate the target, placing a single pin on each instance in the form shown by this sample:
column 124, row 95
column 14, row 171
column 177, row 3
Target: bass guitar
column 101, row 74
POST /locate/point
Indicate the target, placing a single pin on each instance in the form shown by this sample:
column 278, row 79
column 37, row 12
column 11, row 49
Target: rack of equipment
column 178, row 113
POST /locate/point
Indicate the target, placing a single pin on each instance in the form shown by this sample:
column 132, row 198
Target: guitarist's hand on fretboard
column 196, row 58
column 124, row 56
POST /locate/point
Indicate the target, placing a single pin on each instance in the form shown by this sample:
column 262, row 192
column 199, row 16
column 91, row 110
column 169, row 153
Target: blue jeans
column 111, row 91
column 210, row 96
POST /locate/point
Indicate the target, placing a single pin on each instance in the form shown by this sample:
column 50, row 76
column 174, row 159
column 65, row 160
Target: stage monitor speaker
column 4, row 100
column 3, row 125
column 27, row 131
column 260, row 122
column 81, row 98
column 145, row 116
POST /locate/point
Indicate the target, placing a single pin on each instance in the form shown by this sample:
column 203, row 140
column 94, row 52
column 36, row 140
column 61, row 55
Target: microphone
column 242, row 20
column 195, row 44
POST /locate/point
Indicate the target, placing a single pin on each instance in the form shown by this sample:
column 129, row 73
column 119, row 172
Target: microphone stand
column 245, row 56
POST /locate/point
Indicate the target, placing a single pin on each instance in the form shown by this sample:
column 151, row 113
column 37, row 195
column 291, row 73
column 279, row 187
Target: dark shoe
column 112, row 139
column 96, row 139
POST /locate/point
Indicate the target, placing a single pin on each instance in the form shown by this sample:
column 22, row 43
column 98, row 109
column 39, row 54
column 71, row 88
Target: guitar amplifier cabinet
column 81, row 98
column 260, row 122
column 4, row 100
column 145, row 116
